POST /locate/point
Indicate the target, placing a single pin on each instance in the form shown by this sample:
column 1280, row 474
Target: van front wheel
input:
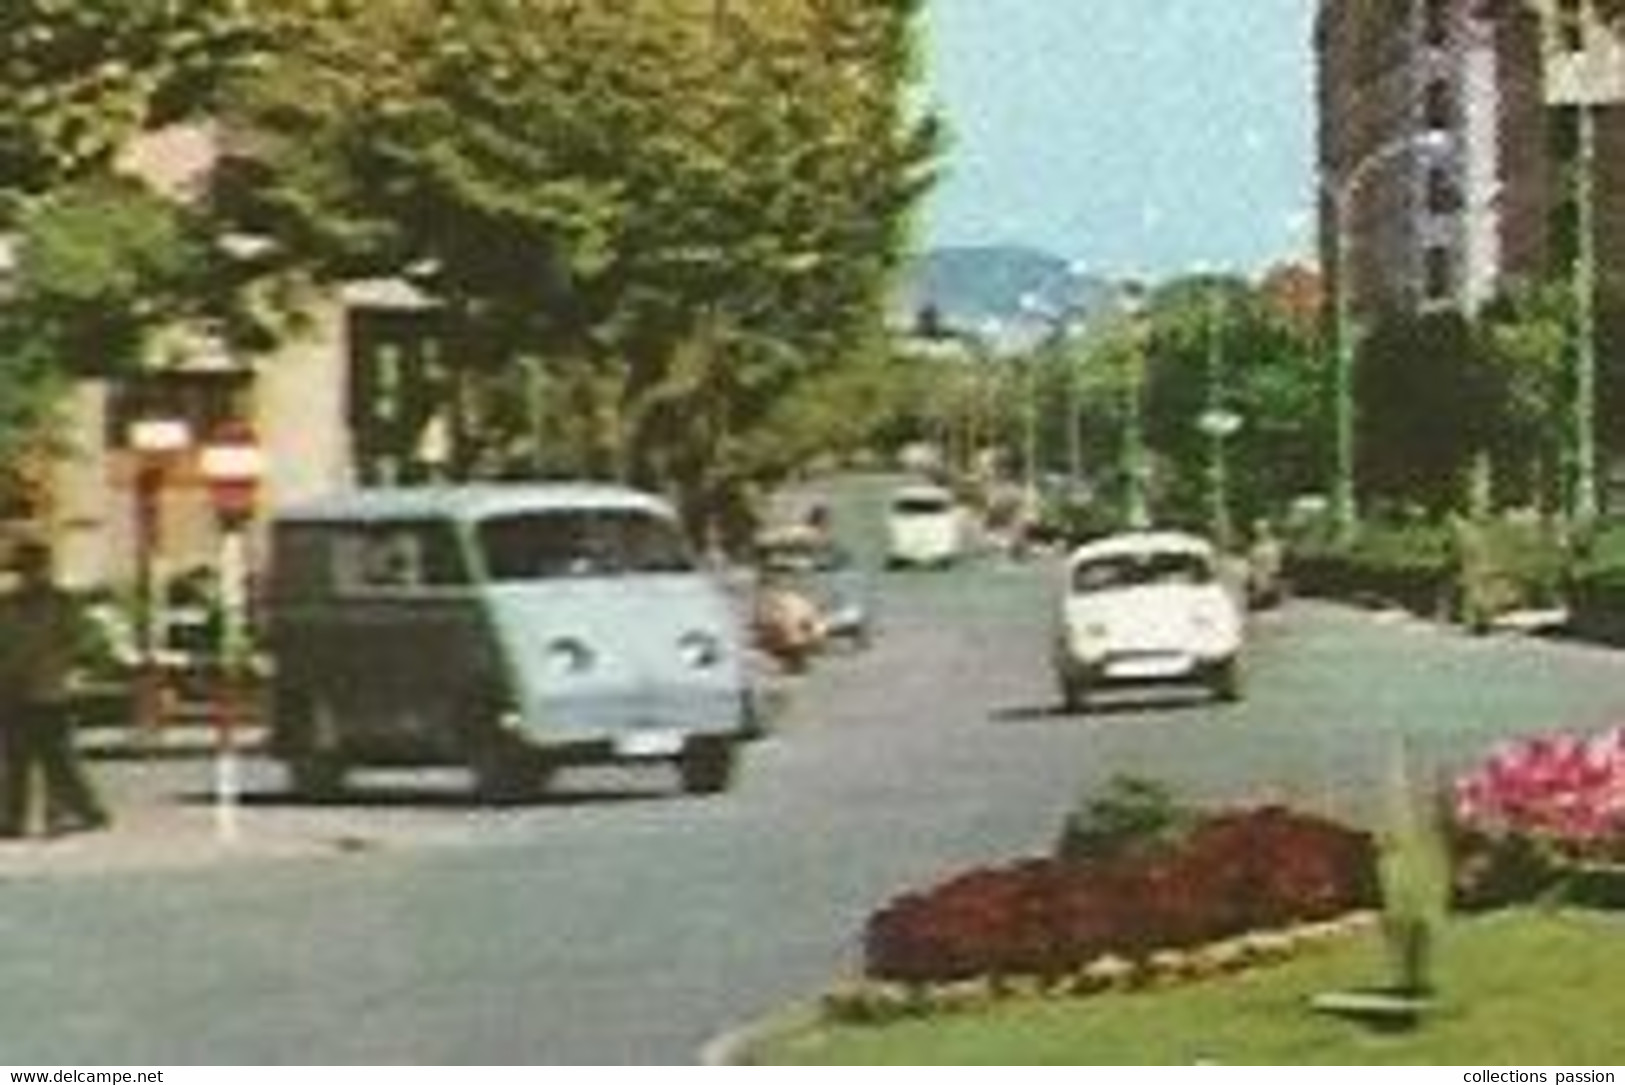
column 707, row 767
column 316, row 768
column 505, row 773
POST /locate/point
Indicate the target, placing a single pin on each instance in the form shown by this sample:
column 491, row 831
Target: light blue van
column 514, row 629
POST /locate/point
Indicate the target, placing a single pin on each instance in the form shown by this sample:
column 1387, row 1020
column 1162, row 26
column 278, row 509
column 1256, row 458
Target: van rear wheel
column 707, row 767
column 317, row 775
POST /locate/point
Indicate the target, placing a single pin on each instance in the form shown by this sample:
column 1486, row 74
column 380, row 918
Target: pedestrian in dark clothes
column 39, row 632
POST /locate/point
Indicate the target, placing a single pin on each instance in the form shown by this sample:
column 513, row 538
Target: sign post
column 232, row 465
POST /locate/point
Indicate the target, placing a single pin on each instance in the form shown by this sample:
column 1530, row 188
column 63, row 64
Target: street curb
column 731, row 1046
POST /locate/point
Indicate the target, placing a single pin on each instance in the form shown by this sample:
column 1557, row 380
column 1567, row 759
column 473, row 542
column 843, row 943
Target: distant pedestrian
column 39, row 635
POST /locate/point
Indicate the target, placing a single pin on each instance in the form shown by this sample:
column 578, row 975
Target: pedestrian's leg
column 70, row 801
column 18, row 753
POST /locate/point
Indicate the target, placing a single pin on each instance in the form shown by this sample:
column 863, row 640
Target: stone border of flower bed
column 879, row 1002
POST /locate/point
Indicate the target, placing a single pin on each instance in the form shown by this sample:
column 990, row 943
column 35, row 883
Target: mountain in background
column 971, row 286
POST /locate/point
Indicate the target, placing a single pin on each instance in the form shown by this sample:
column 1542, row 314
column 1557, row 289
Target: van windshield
column 581, row 543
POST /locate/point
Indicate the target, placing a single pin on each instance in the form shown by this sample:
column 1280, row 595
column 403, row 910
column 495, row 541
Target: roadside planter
column 1137, row 917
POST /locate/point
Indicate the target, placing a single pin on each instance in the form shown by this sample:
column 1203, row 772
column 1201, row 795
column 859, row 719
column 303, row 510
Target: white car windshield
column 921, row 505
column 581, row 543
column 1140, row 570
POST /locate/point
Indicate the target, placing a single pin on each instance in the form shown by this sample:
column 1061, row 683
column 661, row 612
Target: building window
column 1438, row 275
column 1439, row 106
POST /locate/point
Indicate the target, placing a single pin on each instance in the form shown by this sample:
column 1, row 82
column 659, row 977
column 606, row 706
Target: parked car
column 1146, row 608
column 512, row 629
column 925, row 527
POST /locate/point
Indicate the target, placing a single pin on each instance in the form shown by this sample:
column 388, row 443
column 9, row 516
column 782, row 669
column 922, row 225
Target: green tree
column 1429, row 404
column 80, row 78
column 102, row 263
column 1265, row 375
column 1524, row 335
column 677, row 216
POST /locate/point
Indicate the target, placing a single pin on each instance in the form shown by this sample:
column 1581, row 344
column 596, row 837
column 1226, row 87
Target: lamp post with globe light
column 1134, row 304
column 1341, row 193
column 1585, row 74
column 1217, row 422
column 1066, row 323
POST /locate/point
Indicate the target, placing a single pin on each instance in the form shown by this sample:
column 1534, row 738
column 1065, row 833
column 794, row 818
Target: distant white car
column 1146, row 608
column 925, row 527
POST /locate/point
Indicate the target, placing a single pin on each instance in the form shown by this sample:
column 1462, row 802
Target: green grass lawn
column 1514, row 988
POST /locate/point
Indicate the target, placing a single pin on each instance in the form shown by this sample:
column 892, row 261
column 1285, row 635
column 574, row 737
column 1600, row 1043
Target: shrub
column 1232, row 873
column 1406, row 565
column 1133, row 813
column 1596, row 586
column 1467, row 571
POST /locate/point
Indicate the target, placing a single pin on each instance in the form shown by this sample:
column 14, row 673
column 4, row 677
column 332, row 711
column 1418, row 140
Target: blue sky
column 1135, row 136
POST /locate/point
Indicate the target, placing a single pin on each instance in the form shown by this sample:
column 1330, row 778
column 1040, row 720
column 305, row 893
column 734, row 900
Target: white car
column 924, row 528
column 1147, row 608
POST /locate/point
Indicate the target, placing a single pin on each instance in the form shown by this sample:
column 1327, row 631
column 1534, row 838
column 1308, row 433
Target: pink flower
column 1565, row 788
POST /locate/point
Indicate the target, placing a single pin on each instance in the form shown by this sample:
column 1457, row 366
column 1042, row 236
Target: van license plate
column 649, row 744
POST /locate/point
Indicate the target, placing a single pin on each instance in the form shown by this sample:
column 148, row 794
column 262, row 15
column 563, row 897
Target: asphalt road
column 618, row 921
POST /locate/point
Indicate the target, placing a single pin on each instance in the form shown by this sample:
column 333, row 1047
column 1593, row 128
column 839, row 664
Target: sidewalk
column 159, row 793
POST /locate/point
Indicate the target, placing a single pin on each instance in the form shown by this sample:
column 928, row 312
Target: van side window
column 397, row 557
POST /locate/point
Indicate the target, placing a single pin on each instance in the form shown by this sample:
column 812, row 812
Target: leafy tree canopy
column 687, row 209
column 103, row 261
column 81, row 77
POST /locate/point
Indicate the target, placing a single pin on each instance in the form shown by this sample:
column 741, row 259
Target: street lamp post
column 232, row 465
column 1584, row 71
column 1035, row 308
column 1064, row 325
column 1584, row 422
column 1136, row 507
column 1217, row 422
column 1342, row 197
column 1029, row 435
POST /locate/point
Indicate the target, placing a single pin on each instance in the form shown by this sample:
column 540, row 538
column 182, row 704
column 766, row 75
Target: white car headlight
column 699, row 650
column 1213, row 631
column 1089, row 638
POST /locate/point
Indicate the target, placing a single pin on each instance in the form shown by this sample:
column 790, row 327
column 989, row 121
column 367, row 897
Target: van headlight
column 569, row 657
column 700, row 651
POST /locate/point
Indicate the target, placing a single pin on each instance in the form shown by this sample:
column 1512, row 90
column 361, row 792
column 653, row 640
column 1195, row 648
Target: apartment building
column 1440, row 173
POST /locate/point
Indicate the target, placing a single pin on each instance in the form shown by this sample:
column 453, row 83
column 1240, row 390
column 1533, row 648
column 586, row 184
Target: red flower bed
column 1233, row 873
